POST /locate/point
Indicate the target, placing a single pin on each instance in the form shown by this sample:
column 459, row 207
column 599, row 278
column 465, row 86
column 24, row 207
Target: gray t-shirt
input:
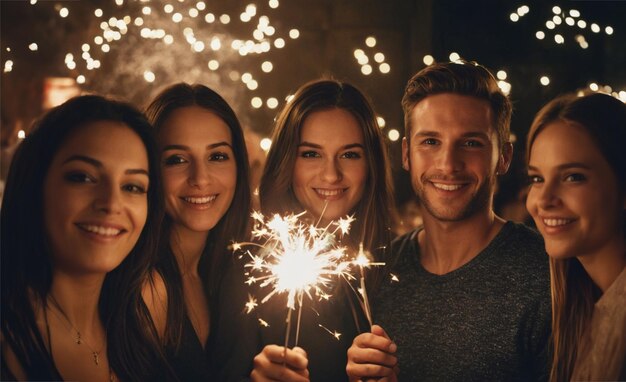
column 489, row 320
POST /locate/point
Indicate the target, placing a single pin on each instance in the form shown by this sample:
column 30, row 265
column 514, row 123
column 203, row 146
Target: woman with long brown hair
column 577, row 198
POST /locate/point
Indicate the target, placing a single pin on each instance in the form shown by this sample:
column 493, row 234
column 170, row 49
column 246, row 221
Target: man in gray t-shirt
column 472, row 296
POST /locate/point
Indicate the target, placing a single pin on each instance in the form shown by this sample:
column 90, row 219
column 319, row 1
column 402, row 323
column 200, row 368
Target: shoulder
column 154, row 294
column 519, row 239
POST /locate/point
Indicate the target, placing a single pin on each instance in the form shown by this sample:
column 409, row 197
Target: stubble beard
column 480, row 201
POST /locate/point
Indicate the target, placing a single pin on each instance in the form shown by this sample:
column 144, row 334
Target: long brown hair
column 573, row 292
column 374, row 211
column 233, row 226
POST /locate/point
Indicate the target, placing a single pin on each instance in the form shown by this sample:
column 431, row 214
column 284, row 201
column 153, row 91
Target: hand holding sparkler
column 276, row 363
column 372, row 355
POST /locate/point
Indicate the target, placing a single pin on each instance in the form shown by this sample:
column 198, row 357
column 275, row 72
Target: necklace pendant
column 96, row 359
column 79, row 339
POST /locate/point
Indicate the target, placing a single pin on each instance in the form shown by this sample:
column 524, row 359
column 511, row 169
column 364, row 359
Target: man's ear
column 506, row 156
column 406, row 164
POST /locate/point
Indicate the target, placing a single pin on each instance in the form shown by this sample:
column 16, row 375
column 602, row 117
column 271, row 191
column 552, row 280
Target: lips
column 556, row 222
column 199, row 199
column 101, row 230
column 330, row 193
column 447, row 187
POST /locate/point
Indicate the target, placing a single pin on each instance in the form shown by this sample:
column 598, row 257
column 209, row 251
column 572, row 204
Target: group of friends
column 117, row 232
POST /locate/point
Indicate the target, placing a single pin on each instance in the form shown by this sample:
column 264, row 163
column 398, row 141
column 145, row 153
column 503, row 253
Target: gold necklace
column 78, row 339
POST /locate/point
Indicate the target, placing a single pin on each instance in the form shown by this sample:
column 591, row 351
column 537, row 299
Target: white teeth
column 556, row 222
column 104, row 231
column 325, row 192
column 447, row 187
column 203, row 200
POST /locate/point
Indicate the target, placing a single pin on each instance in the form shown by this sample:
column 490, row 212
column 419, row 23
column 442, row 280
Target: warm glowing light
column 198, row 46
column 514, row 17
column 428, row 59
column 384, row 68
column 225, row 19
column 265, row 144
column 169, row 39
column 393, row 135
column 279, row 43
column 105, row 48
column 557, row 20
column 267, row 66
column 168, row 8
column 209, row 18
column 370, row 41
column 358, row 53
column 501, row 75
column 381, row 121
column 524, row 9
column 505, row 87
column 256, row 102
column 556, row 10
column 272, row 103
column 33, row 47
column 582, row 24
column 33, row 2
column 98, row 12
column 544, row 80
column 294, row 33
column 119, row 2
column 8, row 66
column 149, row 76
column 366, row 69
column 193, row 12
column 559, row 39
column 216, row 44
column 574, row 13
column 201, row 5
column 273, row 4
column 595, row 28
column 593, row 86
column 138, row 21
column 244, row 17
column 64, row 12
column 177, row 17
column 214, row 64
column 570, row 21
column 252, row 85
column 246, row 77
column 550, row 24
column 622, row 96
column 379, row 57
column 608, row 30
column 454, row 57
column 80, row 79
column 21, row 134
column 363, row 60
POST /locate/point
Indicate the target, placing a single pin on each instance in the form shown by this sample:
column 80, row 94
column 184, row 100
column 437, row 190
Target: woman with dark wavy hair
column 328, row 159
column 80, row 217
column 577, row 197
column 193, row 294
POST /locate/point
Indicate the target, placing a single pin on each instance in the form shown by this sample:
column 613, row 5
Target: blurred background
column 257, row 53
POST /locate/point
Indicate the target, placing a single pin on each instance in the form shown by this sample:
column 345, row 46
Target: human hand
column 372, row 357
column 273, row 363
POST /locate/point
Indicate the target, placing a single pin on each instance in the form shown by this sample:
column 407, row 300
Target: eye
column 430, row 141
column 134, row 188
column 351, row 155
column 79, row 177
column 532, row 179
column 576, row 177
column 309, row 154
column 473, row 143
column 173, row 160
column 219, row 157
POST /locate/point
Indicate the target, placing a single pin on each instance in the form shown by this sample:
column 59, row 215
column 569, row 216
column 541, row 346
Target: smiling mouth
column 200, row 200
column 556, row 222
column 447, row 187
column 323, row 192
column 100, row 230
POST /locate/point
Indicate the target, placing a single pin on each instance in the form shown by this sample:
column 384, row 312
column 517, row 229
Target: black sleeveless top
column 191, row 360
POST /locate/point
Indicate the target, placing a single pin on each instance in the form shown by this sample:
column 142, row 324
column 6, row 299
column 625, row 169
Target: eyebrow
column 470, row 134
column 96, row 163
column 186, row 148
column 315, row 145
column 565, row 166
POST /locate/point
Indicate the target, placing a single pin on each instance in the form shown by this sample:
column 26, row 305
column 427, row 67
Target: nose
column 109, row 198
column 331, row 171
column 449, row 159
column 547, row 195
column 199, row 176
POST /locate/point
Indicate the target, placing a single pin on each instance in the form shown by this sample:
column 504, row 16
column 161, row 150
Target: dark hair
column 26, row 264
column 374, row 212
column 573, row 292
column 463, row 78
column 231, row 227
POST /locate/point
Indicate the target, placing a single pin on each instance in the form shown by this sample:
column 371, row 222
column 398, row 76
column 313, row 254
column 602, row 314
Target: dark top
column 190, row 362
column 489, row 320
